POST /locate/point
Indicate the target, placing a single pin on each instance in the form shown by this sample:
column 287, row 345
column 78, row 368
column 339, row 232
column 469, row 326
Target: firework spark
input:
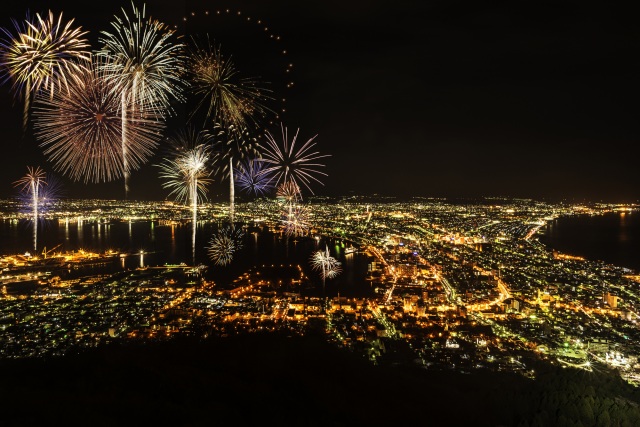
column 145, row 64
column 50, row 193
column 186, row 172
column 249, row 178
column 186, row 167
column 44, row 54
column 50, row 190
column 327, row 265
column 228, row 98
column 287, row 163
column 30, row 186
column 289, row 192
column 232, row 145
column 146, row 68
column 295, row 220
column 81, row 128
column 224, row 244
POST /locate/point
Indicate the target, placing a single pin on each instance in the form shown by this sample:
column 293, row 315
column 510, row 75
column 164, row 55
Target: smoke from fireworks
column 287, row 163
column 228, row 98
column 44, row 54
column 30, row 186
column 224, row 244
column 81, row 128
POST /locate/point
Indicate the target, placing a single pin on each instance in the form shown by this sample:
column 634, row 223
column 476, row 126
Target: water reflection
column 612, row 237
column 171, row 244
column 173, row 240
column 622, row 235
column 80, row 236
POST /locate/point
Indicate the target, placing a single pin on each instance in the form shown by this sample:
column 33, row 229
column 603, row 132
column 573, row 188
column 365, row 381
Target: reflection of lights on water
column 141, row 258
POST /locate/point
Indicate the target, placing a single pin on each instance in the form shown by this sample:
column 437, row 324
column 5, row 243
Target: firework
column 145, row 68
column 228, row 98
column 296, row 220
column 289, row 192
column 44, row 54
column 50, row 190
column 145, row 64
column 224, row 244
column 288, row 164
column 232, row 145
column 38, row 193
column 186, row 167
column 81, row 128
column 50, row 193
column 327, row 265
column 187, row 173
column 284, row 62
column 30, row 186
column 249, row 177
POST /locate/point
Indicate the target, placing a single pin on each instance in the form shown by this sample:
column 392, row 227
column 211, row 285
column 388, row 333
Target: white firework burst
column 328, row 266
column 296, row 220
column 224, row 244
column 287, row 162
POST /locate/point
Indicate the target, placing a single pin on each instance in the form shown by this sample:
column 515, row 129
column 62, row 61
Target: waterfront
column 612, row 237
column 442, row 285
column 144, row 243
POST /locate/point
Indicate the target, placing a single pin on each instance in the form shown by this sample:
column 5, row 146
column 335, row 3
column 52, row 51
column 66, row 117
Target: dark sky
column 427, row 98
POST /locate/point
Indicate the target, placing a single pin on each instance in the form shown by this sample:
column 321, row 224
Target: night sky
column 451, row 99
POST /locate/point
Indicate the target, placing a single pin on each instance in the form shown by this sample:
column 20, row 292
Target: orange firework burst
column 81, row 128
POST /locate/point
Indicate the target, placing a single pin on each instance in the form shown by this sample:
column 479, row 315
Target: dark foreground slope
column 276, row 380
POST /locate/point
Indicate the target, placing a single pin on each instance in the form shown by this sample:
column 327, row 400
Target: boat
column 350, row 250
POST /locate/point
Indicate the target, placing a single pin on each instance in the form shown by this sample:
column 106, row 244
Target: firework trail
column 232, row 146
column 186, row 172
column 224, row 244
column 30, row 186
column 81, row 128
column 44, row 54
column 288, row 163
column 146, row 69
